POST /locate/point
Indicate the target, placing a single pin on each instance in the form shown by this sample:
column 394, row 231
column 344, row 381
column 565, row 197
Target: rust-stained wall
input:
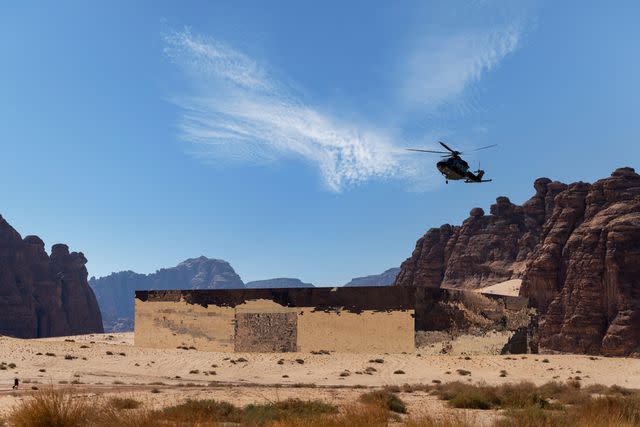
column 358, row 320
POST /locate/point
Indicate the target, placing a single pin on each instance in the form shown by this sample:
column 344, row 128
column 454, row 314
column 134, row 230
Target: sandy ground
column 83, row 363
column 510, row 288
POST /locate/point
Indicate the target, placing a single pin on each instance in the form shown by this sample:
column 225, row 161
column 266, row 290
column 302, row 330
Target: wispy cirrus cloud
column 239, row 111
column 442, row 67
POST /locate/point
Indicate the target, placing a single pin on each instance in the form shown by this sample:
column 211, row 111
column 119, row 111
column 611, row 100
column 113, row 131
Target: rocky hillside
column 43, row 295
column 281, row 282
column 115, row 292
column 576, row 248
column 385, row 278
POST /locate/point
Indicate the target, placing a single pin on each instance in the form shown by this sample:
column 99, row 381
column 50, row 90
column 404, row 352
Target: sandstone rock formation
column 576, row 248
column 42, row 295
column 585, row 274
column 385, row 278
column 115, row 292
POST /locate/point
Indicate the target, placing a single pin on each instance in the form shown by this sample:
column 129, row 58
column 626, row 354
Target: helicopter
column 454, row 168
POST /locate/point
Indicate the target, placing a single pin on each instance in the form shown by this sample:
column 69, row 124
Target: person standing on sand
column 15, row 383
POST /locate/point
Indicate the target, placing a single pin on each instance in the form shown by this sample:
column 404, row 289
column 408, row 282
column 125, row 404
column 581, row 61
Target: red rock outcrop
column 42, row 295
column 576, row 248
column 585, row 274
column 485, row 249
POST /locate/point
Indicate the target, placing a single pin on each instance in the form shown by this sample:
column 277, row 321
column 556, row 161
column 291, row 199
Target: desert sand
column 111, row 364
column 509, row 288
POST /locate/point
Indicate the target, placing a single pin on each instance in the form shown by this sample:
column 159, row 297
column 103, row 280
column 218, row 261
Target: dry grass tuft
column 352, row 416
column 52, row 408
column 386, row 399
column 124, row 403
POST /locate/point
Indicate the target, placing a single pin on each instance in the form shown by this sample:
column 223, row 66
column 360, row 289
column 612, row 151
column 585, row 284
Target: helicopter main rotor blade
column 447, row 147
column 482, row 148
column 427, row 151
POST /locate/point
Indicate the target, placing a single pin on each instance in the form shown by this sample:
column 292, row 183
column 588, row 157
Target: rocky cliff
column 115, row 293
column 576, row 248
column 43, row 295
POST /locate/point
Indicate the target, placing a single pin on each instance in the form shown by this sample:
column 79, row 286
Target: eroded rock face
column 585, row 274
column 486, row 249
column 576, row 248
column 42, row 295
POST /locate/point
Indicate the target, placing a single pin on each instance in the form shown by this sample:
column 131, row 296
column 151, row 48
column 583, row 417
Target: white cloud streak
column 240, row 112
column 443, row 67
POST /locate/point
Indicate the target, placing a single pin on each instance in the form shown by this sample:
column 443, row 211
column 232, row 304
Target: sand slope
column 509, row 288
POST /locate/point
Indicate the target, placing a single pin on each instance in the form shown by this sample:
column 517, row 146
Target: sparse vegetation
column 523, row 404
column 463, row 372
column 386, row 399
column 51, row 408
column 124, row 403
column 399, row 372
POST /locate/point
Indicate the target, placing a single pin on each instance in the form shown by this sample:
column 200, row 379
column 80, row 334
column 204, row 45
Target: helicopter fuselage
column 454, row 168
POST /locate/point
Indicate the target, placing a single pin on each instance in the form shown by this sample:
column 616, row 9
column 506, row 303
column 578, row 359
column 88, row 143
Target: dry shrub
column 530, row 417
column 443, row 421
column 51, row 407
column 286, row 409
column 197, row 411
column 352, row 416
column 124, row 403
column 608, row 411
column 482, row 396
column 385, row 399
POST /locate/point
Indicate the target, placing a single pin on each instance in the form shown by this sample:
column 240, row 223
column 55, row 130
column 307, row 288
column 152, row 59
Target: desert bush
column 196, row 411
column 608, row 411
column 51, row 408
column 286, row 409
column 124, row 403
column 442, row 421
column 481, row 396
column 386, row 399
column 352, row 416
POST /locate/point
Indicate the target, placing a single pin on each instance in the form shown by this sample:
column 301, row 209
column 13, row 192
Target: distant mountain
column 115, row 292
column 383, row 279
column 281, row 282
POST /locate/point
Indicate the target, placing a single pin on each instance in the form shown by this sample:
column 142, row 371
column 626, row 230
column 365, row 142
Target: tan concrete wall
column 170, row 324
column 367, row 332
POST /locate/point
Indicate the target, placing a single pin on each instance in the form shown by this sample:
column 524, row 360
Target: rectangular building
column 344, row 319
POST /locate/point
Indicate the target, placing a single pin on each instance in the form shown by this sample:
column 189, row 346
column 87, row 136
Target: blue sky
column 273, row 135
